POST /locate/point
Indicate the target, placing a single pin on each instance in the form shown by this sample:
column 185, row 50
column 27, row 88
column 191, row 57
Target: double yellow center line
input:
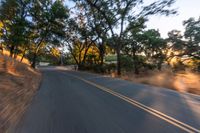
column 150, row 110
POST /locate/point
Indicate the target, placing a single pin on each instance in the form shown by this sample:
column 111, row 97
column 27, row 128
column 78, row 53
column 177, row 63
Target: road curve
column 78, row 102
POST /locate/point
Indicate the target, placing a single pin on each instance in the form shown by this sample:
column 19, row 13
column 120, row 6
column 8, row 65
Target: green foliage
column 127, row 63
column 112, row 14
column 68, row 59
column 153, row 46
column 110, row 67
column 186, row 48
column 30, row 25
column 14, row 30
column 110, row 58
column 192, row 33
column 97, row 31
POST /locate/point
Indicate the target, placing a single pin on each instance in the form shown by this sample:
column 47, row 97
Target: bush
column 110, row 67
column 98, row 68
column 127, row 63
column 111, row 58
column 105, row 68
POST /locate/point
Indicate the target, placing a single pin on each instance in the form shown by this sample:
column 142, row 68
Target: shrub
column 127, row 63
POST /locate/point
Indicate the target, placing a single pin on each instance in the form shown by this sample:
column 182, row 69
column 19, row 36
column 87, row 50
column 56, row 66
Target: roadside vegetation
column 182, row 81
column 108, row 37
column 18, row 84
column 126, row 49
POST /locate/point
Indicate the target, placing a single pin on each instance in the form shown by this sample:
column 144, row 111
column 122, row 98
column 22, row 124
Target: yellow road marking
column 150, row 110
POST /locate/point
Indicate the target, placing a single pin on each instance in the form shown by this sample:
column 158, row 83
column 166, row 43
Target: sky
column 185, row 8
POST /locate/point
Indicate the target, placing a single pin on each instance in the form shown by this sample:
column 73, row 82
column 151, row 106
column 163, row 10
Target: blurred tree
column 119, row 13
column 153, row 47
column 185, row 48
column 49, row 19
column 133, row 40
column 80, row 36
column 28, row 25
column 13, row 17
column 192, row 34
column 84, row 53
column 175, row 46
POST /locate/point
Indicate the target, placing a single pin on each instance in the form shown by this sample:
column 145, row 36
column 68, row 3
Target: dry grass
column 18, row 58
column 181, row 81
column 18, row 84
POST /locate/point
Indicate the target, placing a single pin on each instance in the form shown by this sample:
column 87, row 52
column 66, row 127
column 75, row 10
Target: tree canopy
column 93, row 30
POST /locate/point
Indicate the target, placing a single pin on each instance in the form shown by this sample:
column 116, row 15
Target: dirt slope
column 18, row 84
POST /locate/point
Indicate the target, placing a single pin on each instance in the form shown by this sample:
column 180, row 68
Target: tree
column 28, row 25
column 175, row 45
column 187, row 46
column 49, row 19
column 192, row 34
column 98, row 30
column 153, row 47
column 13, row 17
column 80, row 37
column 133, row 47
column 117, row 14
column 1, row 33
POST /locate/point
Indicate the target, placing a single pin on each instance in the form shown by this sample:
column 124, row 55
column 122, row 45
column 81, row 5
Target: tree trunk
column 12, row 50
column 15, row 55
column 34, row 60
column 85, row 53
column 118, row 61
column 1, row 49
column 102, row 56
column 33, row 65
column 23, row 56
column 101, row 53
column 135, row 61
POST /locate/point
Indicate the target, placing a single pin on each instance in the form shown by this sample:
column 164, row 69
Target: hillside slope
column 18, row 84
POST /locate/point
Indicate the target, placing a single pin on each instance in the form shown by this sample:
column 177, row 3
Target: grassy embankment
column 180, row 81
column 18, row 84
column 185, row 81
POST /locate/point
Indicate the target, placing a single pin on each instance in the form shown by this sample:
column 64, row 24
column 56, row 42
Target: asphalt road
column 79, row 102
